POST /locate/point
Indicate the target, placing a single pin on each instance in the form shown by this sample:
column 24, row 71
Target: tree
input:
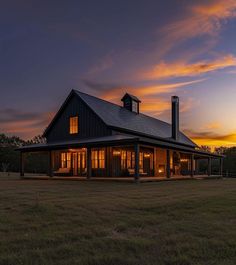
column 205, row 148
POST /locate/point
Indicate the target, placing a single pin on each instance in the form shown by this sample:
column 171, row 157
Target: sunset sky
column 152, row 49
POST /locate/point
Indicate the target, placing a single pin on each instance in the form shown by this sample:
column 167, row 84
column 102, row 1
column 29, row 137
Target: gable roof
column 120, row 118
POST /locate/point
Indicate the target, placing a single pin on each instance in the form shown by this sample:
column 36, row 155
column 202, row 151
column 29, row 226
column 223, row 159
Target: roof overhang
column 115, row 140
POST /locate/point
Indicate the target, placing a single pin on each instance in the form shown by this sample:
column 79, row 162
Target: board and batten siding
column 90, row 125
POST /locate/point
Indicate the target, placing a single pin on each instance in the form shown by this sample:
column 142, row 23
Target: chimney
column 175, row 117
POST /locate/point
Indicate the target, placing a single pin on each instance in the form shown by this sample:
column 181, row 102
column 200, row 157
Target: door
column 81, row 162
column 75, row 164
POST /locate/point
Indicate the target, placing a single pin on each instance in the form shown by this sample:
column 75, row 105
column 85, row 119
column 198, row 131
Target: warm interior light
column 116, row 153
column 147, row 155
column 161, row 169
column 183, row 160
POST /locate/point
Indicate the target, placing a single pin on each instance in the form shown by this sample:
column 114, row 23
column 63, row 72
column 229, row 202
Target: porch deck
column 120, row 179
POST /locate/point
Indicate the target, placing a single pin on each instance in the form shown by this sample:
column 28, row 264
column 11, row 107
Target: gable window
column 74, row 125
column 98, row 158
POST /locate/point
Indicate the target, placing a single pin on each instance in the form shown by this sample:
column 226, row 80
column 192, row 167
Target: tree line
column 10, row 158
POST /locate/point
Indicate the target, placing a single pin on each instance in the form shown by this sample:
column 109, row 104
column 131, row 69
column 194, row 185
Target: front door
column 82, row 163
column 75, row 164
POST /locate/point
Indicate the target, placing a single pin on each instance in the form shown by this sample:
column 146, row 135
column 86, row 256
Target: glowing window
column 65, row 160
column 74, row 125
column 98, row 158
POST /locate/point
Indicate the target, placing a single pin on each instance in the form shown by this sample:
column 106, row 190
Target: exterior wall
column 90, row 125
column 160, row 162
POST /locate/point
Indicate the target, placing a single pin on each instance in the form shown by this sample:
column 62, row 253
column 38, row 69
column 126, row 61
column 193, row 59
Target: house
column 91, row 138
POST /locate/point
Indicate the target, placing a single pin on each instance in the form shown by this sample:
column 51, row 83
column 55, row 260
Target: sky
column 153, row 49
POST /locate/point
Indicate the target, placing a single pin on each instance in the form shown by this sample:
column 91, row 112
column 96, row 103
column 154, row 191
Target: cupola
column 131, row 103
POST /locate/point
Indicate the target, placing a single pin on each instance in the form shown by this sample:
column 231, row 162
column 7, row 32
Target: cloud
column 200, row 20
column 213, row 125
column 153, row 97
column 101, row 65
column 23, row 124
column 183, row 68
column 212, row 139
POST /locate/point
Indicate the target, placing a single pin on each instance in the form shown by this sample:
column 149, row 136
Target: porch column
column 221, row 167
column 22, row 164
column 51, row 163
column 89, row 164
column 136, row 171
column 209, row 166
column 168, row 163
column 196, row 166
column 191, row 165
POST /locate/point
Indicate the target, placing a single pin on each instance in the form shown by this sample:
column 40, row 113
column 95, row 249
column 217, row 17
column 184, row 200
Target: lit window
column 65, row 160
column 98, row 158
column 141, row 160
column 127, row 159
column 74, row 125
column 134, row 106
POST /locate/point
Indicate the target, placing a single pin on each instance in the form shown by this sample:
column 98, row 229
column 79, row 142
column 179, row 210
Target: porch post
column 51, row 163
column 22, row 164
column 89, row 166
column 221, row 167
column 168, row 163
column 191, row 166
column 136, row 171
column 209, row 166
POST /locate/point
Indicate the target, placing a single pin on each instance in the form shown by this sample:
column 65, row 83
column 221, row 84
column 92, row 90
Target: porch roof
column 113, row 139
column 117, row 139
column 200, row 153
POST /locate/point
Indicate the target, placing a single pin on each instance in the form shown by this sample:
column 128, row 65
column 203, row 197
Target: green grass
column 79, row 222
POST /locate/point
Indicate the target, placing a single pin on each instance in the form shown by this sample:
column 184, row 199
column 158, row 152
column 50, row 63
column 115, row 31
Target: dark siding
column 90, row 125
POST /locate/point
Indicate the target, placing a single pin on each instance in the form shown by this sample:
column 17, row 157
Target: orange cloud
column 199, row 20
column 24, row 125
column 212, row 139
column 182, row 68
column 114, row 93
column 202, row 19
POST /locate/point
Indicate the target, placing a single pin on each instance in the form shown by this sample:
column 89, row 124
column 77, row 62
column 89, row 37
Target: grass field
column 80, row 222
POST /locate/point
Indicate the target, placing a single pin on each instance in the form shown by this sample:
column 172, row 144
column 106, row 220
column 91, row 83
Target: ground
column 188, row 222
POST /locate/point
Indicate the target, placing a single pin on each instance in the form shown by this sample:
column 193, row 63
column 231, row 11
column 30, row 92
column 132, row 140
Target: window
column 141, row 160
column 65, row 160
column 127, row 159
column 98, row 158
column 134, row 106
column 74, row 125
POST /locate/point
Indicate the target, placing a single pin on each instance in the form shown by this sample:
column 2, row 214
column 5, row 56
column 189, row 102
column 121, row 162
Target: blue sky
column 153, row 49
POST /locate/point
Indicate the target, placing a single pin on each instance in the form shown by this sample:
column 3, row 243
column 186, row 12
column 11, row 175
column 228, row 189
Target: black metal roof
column 120, row 118
column 79, row 143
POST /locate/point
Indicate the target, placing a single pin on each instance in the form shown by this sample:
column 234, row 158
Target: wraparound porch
column 123, row 159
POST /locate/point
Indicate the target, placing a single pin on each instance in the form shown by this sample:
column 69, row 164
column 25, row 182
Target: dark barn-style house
column 93, row 138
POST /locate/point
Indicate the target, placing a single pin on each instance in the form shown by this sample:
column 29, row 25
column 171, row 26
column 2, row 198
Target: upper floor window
column 74, row 125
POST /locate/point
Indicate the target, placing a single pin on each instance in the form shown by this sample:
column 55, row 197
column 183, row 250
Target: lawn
column 89, row 222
